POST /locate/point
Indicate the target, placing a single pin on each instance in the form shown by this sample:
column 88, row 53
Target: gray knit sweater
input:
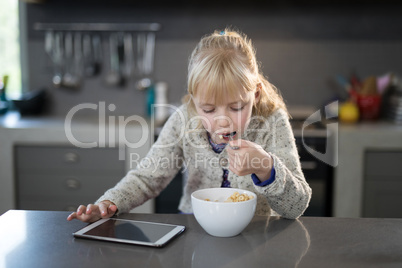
column 182, row 144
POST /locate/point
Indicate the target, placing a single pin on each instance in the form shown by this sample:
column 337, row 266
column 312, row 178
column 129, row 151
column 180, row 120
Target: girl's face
column 231, row 115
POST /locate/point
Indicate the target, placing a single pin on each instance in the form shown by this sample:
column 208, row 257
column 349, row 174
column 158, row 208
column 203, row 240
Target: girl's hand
column 92, row 213
column 249, row 158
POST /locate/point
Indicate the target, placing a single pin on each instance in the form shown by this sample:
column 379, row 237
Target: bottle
column 161, row 101
column 3, row 87
column 3, row 96
column 150, row 100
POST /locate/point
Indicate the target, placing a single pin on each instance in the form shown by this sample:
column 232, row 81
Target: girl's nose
column 222, row 121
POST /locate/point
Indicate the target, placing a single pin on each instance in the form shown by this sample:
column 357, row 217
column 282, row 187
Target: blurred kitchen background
column 315, row 52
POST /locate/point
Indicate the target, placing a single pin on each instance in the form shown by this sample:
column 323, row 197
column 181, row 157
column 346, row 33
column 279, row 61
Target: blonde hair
column 221, row 62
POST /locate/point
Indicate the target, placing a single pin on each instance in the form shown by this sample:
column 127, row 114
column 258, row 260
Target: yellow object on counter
column 348, row 112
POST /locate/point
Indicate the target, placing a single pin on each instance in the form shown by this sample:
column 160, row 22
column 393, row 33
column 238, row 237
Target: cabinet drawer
column 63, row 186
column 56, row 204
column 382, row 200
column 383, row 163
column 59, row 158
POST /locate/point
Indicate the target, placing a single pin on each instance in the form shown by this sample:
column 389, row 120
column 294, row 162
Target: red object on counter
column 369, row 105
column 355, row 82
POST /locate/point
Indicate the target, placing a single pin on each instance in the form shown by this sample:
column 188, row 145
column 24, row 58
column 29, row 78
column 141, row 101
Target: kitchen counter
column 353, row 142
column 44, row 239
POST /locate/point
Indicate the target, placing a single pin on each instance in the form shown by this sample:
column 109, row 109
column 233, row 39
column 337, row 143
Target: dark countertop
column 44, row 239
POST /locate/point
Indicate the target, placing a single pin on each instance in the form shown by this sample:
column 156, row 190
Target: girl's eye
column 237, row 109
column 208, row 111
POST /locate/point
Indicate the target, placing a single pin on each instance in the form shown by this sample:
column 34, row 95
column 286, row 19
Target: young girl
column 232, row 131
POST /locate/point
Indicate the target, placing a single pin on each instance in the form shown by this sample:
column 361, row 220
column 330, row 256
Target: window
column 10, row 47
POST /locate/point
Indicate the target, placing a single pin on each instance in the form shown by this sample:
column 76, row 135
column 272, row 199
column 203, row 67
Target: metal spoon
column 233, row 147
column 230, row 136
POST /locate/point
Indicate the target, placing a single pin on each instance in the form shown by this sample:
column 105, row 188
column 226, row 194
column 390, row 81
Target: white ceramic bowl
column 221, row 218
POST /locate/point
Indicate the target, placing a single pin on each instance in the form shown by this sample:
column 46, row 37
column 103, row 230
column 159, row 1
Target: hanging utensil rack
column 98, row 27
column 58, row 38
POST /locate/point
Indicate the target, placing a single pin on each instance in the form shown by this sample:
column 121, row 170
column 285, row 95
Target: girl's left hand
column 249, row 158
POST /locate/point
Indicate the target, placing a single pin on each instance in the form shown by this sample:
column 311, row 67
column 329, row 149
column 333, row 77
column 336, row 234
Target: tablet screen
column 130, row 231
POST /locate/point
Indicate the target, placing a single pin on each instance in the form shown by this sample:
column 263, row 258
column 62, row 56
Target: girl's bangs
column 219, row 83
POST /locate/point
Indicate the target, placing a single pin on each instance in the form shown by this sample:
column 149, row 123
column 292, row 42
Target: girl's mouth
column 227, row 136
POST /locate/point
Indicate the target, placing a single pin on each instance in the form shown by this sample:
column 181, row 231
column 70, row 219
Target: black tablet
column 131, row 232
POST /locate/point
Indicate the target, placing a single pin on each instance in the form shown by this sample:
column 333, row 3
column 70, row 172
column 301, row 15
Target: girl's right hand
column 92, row 213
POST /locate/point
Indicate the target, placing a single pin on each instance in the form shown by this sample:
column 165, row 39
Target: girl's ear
column 257, row 93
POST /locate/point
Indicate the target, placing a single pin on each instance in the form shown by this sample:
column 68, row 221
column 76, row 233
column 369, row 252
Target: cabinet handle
column 308, row 165
column 71, row 157
column 73, row 184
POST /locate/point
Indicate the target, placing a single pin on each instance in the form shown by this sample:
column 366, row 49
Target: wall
column 301, row 48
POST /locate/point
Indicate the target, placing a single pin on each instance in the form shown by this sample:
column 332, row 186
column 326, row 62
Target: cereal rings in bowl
column 223, row 212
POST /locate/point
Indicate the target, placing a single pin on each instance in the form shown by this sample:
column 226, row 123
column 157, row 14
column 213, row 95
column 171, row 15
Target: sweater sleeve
column 289, row 194
column 154, row 172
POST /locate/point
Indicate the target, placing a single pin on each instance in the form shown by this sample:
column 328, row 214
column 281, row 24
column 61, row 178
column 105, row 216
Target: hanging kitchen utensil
column 87, row 51
column 114, row 78
column 97, row 54
column 50, row 47
column 69, row 79
column 121, row 55
column 54, row 48
column 141, row 42
column 145, row 57
column 149, row 54
column 78, row 63
column 49, row 44
column 128, row 55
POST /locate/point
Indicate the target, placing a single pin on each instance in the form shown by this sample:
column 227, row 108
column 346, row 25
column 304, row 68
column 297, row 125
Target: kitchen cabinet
column 42, row 162
column 367, row 175
column 63, row 177
column 382, row 184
